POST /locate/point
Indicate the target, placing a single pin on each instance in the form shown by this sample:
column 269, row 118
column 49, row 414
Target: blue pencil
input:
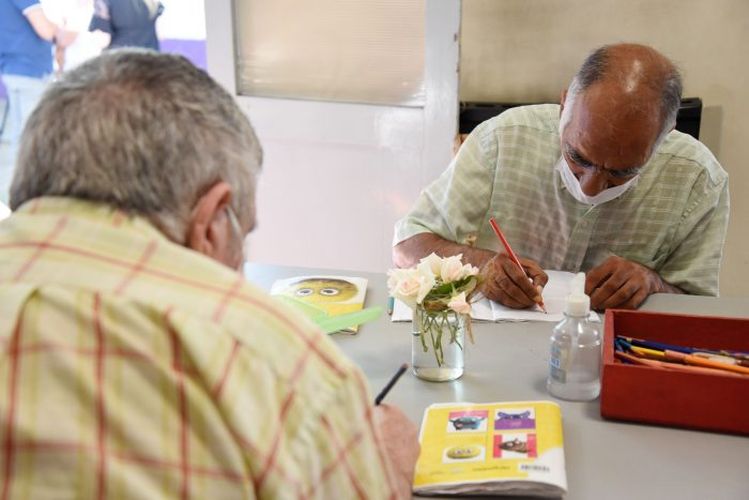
column 686, row 350
column 658, row 345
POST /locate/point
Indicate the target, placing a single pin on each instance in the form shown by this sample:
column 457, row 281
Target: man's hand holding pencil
column 506, row 283
column 511, row 281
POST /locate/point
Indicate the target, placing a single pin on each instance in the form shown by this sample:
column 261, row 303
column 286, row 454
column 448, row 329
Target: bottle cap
column 578, row 304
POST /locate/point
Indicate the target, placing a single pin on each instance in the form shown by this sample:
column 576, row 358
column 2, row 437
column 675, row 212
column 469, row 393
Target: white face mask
column 237, row 230
column 574, row 188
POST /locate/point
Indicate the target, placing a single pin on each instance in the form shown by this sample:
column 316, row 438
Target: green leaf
column 340, row 322
column 312, row 312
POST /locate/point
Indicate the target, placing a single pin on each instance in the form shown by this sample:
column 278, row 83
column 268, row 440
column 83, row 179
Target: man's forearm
column 43, row 27
column 408, row 252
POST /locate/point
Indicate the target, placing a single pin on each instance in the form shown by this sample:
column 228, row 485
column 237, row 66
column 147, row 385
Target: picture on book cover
column 464, row 453
column 331, row 295
column 467, row 421
column 515, row 445
column 517, row 418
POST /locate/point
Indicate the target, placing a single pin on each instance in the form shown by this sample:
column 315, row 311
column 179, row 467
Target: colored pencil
column 673, row 366
column 731, row 357
column 657, row 345
column 706, row 363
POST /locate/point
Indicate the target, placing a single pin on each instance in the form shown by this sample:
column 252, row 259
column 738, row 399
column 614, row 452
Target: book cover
column 331, row 295
column 513, row 448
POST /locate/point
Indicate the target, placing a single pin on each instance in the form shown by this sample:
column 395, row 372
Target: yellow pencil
column 648, row 353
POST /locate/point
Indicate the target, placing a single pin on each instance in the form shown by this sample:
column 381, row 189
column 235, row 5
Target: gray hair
column 596, row 67
column 144, row 132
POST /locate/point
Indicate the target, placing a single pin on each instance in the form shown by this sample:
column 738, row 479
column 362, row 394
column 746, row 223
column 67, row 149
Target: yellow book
column 513, row 448
column 330, row 295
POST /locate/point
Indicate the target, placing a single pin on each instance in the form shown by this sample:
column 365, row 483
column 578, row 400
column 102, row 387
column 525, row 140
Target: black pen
column 390, row 384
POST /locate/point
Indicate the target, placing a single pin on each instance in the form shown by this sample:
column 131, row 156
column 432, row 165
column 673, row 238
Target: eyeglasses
column 617, row 174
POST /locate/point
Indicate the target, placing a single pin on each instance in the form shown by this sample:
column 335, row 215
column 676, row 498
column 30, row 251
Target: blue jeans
column 23, row 95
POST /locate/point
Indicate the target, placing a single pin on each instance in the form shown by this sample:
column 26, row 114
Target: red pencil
column 512, row 255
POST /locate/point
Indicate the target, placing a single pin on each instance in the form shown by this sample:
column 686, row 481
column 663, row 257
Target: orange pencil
column 707, row 363
column 673, row 366
column 513, row 257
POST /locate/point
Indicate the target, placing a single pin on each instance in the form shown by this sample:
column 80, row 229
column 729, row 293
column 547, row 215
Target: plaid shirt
column 673, row 220
column 133, row 367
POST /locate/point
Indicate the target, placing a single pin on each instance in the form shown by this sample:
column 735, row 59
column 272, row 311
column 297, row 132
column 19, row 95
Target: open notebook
column 555, row 299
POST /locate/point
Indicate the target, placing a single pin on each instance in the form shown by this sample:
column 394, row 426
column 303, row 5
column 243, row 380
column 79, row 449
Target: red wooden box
column 678, row 399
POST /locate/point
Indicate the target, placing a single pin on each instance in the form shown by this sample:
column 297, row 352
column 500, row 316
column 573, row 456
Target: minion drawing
column 334, row 295
column 322, row 290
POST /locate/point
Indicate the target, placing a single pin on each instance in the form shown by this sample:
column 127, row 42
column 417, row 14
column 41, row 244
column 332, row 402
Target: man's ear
column 562, row 100
column 205, row 234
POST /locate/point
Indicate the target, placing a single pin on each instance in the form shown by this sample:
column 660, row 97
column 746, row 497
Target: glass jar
column 437, row 344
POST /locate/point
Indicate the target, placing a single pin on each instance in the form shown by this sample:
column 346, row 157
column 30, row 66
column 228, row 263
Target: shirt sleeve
column 25, row 5
column 694, row 265
column 101, row 19
column 342, row 447
column 304, row 418
column 453, row 205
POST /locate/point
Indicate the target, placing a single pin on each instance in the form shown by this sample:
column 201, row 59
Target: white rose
column 426, row 280
column 404, row 285
column 451, row 268
column 433, row 261
column 395, row 276
column 459, row 304
column 469, row 270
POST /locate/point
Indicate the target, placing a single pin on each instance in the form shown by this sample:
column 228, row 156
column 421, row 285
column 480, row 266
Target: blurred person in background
column 26, row 40
column 75, row 15
column 130, row 23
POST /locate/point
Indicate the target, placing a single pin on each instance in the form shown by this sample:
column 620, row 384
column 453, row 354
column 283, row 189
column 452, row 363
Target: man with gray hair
column 138, row 362
column 609, row 188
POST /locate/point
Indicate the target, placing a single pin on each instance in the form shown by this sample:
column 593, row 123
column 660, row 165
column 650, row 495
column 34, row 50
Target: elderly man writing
column 137, row 362
column 609, row 188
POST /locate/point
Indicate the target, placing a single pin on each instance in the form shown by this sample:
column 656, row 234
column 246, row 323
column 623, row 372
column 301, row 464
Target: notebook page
column 481, row 310
column 555, row 299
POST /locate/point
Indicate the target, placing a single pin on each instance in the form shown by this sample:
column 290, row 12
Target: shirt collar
column 94, row 211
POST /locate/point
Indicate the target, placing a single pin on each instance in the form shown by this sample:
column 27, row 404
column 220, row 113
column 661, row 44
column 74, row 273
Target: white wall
column 338, row 175
column 182, row 20
column 527, row 51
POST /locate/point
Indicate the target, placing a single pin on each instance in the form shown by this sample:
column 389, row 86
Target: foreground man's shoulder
column 538, row 120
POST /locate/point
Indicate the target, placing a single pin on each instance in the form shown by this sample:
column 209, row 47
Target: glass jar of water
column 437, row 344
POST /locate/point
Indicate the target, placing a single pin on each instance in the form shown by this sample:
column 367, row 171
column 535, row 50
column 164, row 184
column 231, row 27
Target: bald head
column 620, row 105
column 630, row 80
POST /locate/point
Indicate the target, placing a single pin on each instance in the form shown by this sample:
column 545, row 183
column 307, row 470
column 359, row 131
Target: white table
column 605, row 459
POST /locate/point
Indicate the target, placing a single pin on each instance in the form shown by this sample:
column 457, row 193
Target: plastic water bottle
column 575, row 364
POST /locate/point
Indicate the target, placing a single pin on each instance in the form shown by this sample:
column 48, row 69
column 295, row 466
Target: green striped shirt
column 673, row 220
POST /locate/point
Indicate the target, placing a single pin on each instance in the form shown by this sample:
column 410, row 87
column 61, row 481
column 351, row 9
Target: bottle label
column 557, row 363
